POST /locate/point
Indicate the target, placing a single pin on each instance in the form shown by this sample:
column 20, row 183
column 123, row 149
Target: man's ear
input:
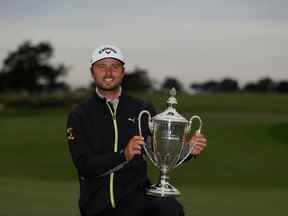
column 123, row 73
column 91, row 72
column 124, row 70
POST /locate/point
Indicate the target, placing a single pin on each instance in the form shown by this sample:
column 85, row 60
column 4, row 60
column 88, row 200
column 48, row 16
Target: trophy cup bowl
column 170, row 144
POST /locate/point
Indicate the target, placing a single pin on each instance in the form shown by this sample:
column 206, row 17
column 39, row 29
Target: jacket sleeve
column 87, row 164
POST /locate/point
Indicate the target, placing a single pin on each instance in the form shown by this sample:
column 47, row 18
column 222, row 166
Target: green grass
column 242, row 172
column 39, row 197
column 236, row 201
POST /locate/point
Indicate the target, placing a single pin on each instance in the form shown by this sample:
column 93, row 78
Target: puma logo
column 131, row 119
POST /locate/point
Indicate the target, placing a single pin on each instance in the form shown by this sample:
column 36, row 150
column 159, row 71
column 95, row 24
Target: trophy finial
column 172, row 100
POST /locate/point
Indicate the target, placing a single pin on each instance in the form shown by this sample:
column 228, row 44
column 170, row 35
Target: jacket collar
column 115, row 101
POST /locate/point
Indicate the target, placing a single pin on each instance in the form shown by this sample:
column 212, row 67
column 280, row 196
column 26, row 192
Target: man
column 107, row 150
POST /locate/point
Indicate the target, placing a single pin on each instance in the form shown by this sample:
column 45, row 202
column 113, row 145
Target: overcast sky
column 191, row 40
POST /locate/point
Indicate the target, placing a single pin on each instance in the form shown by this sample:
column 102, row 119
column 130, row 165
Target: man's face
column 108, row 74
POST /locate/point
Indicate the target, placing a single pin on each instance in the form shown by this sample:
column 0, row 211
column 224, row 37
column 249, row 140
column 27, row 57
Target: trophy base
column 162, row 190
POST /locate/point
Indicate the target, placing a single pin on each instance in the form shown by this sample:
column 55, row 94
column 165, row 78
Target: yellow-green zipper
column 111, row 185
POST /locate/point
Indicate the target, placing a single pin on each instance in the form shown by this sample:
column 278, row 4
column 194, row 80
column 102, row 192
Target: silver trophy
column 170, row 144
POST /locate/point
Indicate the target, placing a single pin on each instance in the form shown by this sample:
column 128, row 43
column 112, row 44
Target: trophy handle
column 149, row 121
column 186, row 132
column 150, row 126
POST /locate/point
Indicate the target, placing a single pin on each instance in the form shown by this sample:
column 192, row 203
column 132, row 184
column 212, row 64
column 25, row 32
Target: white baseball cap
column 106, row 51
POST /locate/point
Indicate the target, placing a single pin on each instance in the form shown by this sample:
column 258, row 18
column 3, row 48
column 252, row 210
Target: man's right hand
column 134, row 147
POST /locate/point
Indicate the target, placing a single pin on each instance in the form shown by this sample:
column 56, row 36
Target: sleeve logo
column 71, row 135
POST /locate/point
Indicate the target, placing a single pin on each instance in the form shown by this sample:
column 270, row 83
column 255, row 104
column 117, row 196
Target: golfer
column 106, row 149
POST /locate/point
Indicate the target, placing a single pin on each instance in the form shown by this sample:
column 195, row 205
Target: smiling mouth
column 108, row 80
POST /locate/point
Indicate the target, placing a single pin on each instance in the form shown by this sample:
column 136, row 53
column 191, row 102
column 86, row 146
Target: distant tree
column 265, row 85
column 211, row 86
column 228, row 85
column 28, row 68
column 196, row 86
column 207, row 86
column 250, row 87
column 262, row 85
column 171, row 82
column 282, row 87
column 137, row 80
column 50, row 75
column 225, row 85
column 2, row 81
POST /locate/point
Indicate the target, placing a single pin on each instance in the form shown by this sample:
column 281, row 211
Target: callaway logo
column 107, row 50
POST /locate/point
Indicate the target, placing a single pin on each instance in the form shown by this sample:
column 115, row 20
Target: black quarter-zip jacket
column 97, row 137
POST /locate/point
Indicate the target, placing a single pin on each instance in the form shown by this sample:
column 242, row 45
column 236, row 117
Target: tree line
column 29, row 69
column 263, row 85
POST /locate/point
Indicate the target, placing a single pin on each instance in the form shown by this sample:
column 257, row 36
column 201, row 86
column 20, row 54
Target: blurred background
column 227, row 60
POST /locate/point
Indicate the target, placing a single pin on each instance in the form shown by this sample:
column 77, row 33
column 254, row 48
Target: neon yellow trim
column 116, row 134
column 111, row 186
column 112, row 190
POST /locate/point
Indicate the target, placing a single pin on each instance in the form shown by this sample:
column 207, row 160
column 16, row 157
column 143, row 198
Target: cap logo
column 107, row 50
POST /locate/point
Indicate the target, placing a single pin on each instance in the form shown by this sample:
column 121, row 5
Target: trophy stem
column 163, row 188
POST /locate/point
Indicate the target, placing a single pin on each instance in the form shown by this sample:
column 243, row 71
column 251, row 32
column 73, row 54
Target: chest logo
column 131, row 119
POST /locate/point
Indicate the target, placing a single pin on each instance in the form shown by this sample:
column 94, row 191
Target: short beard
column 111, row 89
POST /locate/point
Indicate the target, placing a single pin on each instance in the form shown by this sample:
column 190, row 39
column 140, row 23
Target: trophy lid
column 170, row 114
